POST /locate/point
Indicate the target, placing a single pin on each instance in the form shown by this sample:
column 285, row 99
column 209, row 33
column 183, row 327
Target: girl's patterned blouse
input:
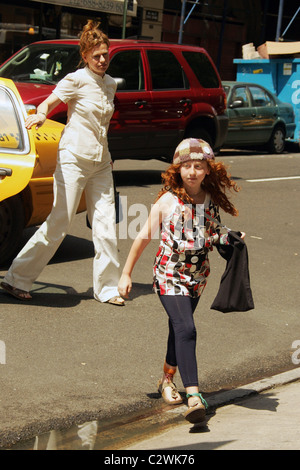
column 181, row 265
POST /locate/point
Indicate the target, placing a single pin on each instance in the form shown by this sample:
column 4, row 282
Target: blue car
column 257, row 117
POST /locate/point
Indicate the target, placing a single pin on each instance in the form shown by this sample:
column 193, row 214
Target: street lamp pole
column 124, row 19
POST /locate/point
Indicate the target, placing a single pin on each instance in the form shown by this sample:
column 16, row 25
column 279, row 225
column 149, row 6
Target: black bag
column 234, row 293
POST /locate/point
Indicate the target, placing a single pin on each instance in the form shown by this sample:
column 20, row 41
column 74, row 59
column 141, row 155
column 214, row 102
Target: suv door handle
column 185, row 101
column 5, row 171
column 141, row 103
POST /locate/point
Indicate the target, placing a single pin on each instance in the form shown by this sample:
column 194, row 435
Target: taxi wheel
column 11, row 228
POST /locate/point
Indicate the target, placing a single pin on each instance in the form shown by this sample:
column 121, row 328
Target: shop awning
column 115, row 7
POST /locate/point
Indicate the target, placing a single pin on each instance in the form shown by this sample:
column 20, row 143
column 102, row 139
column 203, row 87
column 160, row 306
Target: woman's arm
column 43, row 109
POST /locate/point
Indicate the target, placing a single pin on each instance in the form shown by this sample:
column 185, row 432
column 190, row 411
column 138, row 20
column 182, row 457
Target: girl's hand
column 243, row 235
column 36, row 120
column 125, row 285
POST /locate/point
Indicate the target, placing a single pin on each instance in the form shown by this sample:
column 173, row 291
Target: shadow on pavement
column 59, row 296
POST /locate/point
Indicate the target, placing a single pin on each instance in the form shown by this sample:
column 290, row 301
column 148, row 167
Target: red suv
column 166, row 92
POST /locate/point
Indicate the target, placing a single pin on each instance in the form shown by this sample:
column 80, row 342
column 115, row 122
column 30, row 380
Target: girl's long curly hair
column 91, row 36
column 217, row 183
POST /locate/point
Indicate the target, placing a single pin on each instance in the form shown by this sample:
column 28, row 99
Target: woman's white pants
column 72, row 176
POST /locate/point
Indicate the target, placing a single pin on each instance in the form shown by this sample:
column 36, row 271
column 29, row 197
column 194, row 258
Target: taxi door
column 17, row 148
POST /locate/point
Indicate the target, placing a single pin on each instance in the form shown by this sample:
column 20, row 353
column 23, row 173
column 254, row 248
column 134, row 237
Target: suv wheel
column 199, row 134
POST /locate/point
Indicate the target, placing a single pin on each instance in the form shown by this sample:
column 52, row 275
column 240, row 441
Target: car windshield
column 44, row 63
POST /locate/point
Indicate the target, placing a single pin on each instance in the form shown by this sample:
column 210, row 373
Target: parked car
column 257, row 117
column 166, row 92
column 27, row 163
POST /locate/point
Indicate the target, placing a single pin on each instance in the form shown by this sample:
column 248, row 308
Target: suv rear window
column 129, row 66
column 166, row 71
column 202, row 68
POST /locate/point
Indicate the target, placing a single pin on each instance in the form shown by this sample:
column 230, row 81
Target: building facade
column 222, row 27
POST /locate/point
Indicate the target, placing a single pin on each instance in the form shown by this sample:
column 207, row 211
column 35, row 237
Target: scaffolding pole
column 181, row 21
column 279, row 20
column 291, row 22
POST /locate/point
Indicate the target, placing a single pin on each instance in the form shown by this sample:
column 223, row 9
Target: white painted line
column 274, row 179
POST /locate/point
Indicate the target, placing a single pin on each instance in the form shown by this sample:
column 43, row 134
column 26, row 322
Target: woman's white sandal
column 117, row 300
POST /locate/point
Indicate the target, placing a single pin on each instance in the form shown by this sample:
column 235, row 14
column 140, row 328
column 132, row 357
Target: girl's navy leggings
column 181, row 348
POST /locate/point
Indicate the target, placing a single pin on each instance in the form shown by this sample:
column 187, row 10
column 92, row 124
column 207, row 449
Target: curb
column 228, row 397
column 123, row 429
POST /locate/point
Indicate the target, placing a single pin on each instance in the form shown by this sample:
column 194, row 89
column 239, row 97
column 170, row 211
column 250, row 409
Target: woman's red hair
column 91, row 37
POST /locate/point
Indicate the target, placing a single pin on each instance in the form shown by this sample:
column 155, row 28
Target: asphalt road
column 66, row 359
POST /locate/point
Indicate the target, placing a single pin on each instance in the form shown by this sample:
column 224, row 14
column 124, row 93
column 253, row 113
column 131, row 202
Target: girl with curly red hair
column 195, row 187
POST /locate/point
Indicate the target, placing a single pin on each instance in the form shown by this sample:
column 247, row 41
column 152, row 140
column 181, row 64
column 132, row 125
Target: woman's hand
column 43, row 110
column 125, row 285
column 36, row 120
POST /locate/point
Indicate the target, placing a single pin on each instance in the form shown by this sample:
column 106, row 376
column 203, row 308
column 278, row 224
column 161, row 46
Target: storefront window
column 23, row 22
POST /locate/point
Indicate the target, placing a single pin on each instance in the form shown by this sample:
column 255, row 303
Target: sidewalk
column 264, row 415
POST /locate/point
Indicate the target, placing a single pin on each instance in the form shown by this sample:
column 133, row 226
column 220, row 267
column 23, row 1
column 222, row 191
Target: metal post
column 181, row 21
column 221, row 39
column 279, row 20
column 124, row 19
column 40, row 37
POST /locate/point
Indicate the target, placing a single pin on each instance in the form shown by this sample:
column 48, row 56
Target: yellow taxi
column 27, row 164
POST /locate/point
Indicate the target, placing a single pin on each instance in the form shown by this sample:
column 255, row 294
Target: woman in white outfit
column 83, row 164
